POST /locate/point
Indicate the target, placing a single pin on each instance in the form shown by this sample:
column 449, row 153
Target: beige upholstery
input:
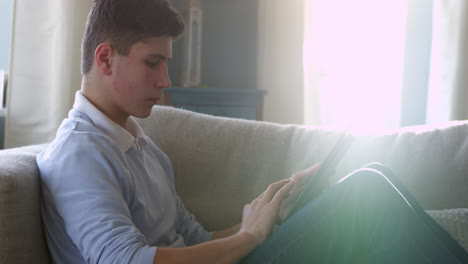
column 21, row 235
column 220, row 164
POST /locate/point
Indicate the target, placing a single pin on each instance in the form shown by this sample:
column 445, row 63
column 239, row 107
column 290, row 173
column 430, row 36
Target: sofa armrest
column 21, row 235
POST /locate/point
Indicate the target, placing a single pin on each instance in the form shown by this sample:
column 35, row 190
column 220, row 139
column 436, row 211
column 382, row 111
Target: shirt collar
column 124, row 137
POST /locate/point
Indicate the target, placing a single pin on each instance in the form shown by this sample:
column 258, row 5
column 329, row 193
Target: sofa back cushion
column 221, row 164
column 432, row 161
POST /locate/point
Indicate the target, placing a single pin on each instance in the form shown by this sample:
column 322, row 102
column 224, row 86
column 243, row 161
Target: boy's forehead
column 154, row 45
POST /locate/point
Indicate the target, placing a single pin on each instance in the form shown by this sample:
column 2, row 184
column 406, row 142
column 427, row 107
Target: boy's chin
column 142, row 114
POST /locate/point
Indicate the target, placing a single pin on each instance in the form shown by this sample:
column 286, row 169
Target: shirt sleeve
column 84, row 177
column 187, row 226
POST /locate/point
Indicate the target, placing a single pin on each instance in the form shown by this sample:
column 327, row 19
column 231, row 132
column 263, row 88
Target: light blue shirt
column 108, row 193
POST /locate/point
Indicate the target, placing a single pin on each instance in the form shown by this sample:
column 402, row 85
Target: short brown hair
column 124, row 22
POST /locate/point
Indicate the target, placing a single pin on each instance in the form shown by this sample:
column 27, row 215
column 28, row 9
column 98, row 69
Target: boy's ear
column 103, row 58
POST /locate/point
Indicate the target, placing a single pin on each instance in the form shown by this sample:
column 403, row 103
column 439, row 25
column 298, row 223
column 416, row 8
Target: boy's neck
column 96, row 95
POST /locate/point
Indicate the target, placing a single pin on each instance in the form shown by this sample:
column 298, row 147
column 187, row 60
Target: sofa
column 220, row 164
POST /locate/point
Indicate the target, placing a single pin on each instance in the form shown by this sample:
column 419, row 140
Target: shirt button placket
column 137, row 144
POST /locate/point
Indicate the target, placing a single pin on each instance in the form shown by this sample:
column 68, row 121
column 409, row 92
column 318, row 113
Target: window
column 357, row 51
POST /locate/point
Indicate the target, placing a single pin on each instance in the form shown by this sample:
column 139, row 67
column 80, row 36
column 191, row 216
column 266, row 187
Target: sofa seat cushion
column 455, row 221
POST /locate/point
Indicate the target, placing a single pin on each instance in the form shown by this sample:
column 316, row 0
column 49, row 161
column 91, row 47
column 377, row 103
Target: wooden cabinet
column 237, row 103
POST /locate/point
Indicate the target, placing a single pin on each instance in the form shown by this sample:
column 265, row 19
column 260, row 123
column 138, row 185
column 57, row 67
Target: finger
column 314, row 168
column 273, row 188
column 259, row 198
column 294, row 192
column 281, row 194
column 262, row 195
column 303, row 175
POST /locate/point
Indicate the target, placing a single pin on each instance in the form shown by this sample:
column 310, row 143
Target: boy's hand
column 300, row 179
column 259, row 216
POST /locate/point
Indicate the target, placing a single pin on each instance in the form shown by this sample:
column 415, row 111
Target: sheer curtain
column 45, row 67
column 280, row 56
column 448, row 89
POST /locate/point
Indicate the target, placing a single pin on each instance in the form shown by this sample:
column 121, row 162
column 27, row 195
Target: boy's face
column 139, row 77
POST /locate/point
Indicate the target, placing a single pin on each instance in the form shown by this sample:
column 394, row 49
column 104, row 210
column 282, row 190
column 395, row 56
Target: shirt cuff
column 209, row 236
column 146, row 255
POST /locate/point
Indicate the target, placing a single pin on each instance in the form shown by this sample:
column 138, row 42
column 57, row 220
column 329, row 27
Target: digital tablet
column 319, row 180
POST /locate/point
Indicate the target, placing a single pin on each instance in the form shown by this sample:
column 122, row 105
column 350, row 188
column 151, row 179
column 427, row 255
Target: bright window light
column 355, row 50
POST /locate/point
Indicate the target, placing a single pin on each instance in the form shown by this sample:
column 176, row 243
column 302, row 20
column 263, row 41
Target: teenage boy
column 108, row 190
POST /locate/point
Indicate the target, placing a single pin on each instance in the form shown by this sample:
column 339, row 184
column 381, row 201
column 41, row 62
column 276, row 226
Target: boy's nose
column 164, row 81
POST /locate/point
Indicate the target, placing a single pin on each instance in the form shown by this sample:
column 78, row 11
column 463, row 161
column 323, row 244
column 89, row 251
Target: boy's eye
column 152, row 64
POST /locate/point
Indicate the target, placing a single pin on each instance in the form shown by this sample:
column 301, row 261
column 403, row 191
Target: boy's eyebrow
column 161, row 57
